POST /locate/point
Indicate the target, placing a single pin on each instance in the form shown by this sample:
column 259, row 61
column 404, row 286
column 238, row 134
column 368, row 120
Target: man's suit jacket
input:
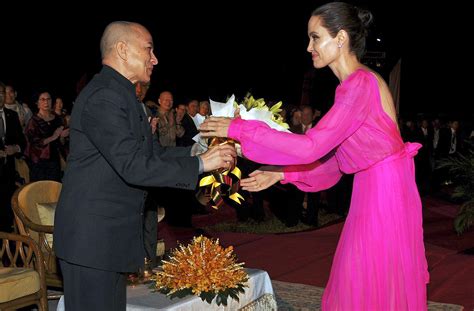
column 99, row 217
column 444, row 142
column 190, row 131
column 13, row 136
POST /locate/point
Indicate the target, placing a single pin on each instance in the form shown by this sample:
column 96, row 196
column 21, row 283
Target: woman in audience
column 46, row 136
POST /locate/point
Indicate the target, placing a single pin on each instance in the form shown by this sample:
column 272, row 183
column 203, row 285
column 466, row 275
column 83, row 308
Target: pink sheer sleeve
column 262, row 144
column 314, row 177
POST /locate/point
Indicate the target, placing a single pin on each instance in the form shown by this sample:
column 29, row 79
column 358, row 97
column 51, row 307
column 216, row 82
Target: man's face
column 180, row 110
column 166, row 101
column 141, row 89
column 193, row 107
column 307, row 116
column 9, row 95
column 141, row 58
column 2, row 96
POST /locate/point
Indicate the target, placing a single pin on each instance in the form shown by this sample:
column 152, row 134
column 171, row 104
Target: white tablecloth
column 258, row 296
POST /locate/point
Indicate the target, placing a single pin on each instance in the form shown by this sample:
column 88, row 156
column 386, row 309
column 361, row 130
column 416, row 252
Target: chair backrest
column 44, row 191
column 28, row 221
column 23, row 273
column 22, row 169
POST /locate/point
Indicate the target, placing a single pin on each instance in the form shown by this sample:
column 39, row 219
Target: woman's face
column 322, row 46
column 58, row 104
column 44, row 102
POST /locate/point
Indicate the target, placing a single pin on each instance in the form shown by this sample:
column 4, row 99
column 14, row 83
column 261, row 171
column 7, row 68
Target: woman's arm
column 314, row 177
column 262, row 144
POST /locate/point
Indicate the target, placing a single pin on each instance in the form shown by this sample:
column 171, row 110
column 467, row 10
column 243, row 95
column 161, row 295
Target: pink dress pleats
column 380, row 261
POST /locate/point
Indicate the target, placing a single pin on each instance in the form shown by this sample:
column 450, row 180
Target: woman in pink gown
column 380, row 260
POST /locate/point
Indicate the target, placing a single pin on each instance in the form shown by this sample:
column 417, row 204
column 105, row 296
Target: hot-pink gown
column 380, row 261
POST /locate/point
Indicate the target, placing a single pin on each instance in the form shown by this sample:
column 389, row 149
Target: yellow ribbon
column 218, row 178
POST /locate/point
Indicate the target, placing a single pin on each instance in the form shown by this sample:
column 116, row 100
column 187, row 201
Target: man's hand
column 262, row 178
column 215, row 127
column 221, row 156
column 11, row 149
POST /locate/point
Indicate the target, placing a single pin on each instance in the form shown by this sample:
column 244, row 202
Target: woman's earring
column 339, row 45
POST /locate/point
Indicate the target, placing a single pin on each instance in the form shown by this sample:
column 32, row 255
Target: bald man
column 98, row 234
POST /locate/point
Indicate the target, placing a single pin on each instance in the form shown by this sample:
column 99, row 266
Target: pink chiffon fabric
column 380, row 261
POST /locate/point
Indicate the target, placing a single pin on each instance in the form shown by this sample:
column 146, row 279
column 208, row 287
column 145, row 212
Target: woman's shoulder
column 361, row 75
column 361, row 80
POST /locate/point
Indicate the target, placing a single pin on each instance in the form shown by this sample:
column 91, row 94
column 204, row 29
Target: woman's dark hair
column 340, row 15
column 38, row 93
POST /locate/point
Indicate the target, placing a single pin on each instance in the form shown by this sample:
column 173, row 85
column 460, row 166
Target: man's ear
column 122, row 50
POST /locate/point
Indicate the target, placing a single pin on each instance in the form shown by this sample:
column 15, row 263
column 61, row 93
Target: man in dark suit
column 12, row 142
column 189, row 126
column 449, row 144
column 98, row 234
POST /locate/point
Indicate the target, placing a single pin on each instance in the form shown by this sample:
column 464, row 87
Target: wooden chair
column 22, row 169
column 28, row 222
column 22, row 273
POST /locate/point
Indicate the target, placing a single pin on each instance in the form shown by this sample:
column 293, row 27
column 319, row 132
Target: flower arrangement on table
column 203, row 268
column 227, row 182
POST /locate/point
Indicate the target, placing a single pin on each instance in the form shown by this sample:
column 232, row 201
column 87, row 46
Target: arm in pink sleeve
column 314, row 177
column 262, row 144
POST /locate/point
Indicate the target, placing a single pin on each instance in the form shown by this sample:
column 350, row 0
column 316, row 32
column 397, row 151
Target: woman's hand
column 64, row 133
column 262, row 178
column 215, row 127
column 154, row 124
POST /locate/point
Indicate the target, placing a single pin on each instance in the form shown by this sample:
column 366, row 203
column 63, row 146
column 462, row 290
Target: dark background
column 203, row 50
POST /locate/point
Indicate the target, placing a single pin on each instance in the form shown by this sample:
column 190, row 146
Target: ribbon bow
column 223, row 182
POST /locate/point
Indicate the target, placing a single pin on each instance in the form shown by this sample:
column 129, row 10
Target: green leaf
column 208, row 296
column 240, row 288
column 459, row 224
column 181, row 293
column 234, row 295
column 219, row 300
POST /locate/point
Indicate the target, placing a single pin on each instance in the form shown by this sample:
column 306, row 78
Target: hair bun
column 365, row 17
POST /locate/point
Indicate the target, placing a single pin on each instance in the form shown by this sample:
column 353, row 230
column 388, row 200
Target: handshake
column 221, row 156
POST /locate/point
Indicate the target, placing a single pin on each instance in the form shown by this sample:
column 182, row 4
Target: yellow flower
column 251, row 103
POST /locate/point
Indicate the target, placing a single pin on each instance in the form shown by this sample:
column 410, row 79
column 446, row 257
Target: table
column 258, row 296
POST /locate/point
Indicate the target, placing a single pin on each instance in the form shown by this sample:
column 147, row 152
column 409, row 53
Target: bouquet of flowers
column 203, row 268
column 227, row 182
column 257, row 109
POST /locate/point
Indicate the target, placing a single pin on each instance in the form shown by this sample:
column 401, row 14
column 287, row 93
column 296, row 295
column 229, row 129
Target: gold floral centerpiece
column 203, row 268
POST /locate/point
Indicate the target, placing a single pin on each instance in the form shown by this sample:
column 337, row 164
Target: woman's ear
column 341, row 38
